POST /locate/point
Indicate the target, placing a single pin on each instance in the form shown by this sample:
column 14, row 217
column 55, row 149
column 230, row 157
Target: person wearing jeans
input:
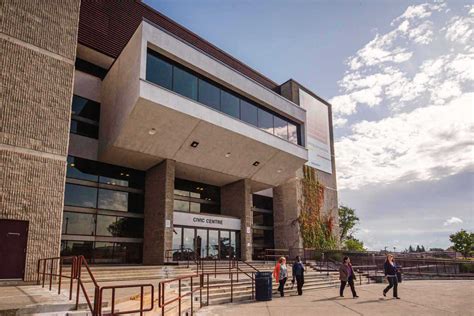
column 298, row 275
column 281, row 275
column 346, row 275
column 390, row 271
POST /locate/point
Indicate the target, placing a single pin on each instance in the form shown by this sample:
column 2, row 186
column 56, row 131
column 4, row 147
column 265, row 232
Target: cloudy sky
column 400, row 76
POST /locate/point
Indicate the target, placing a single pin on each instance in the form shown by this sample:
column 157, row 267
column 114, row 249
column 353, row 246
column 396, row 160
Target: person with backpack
column 298, row 274
column 346, row 275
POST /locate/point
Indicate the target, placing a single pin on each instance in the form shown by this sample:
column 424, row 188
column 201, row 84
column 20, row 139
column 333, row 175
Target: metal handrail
column 161, row 292
column 60, row 275
column 114, row 288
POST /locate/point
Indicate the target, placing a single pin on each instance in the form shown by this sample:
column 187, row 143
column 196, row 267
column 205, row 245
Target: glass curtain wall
column 263, row 237
column 103, row 212
column 173, row 76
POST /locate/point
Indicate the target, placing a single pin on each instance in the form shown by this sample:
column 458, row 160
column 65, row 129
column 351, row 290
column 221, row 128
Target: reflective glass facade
column 196, row 197
column 85, row 117
column 263, row 237
column 170, row 75
column 101, row 202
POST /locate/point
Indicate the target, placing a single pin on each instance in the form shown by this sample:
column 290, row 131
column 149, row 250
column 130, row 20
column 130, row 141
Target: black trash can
column 263, row 286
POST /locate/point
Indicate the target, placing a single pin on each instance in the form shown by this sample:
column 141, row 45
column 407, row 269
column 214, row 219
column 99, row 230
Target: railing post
column 51, row 274
column 252, row 285
column 60, row 274
column 192, row 298
column 207, row 302
column 112, row 308
column 38, row 272
column 215, row 268
column 201, row 281
column 141, row 300
column 231, row 287
column 179, row 295
column 44, row 271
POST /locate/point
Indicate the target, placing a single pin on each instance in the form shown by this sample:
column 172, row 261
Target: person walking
column 298, row 274
column 390, row 271
column 280, row 272
column 346, row 275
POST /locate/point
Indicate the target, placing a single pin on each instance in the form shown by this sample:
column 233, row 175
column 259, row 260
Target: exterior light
column 127, row 175
column 72, row 165
column 194, row 144
column 152, row 131
column 256, row 163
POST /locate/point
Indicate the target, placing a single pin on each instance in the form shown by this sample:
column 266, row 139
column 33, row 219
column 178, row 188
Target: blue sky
column 400, row 77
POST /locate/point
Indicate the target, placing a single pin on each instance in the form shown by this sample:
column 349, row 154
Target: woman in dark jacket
column 390, row 271
column 346, row 275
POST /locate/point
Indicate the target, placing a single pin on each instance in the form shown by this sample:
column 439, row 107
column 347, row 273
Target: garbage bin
column 263, row 286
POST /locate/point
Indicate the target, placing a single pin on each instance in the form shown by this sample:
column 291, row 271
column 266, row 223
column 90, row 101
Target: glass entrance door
column 201, row 243
column 213, row 250
column 224, row 243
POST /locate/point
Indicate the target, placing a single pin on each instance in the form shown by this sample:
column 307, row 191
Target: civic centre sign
column 317, row 130
column 205, row 221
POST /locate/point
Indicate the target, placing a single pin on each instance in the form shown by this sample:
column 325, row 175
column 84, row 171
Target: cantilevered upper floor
column 163, row 98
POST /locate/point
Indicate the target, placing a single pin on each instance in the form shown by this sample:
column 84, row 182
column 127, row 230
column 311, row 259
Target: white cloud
column 426, row 144
column 453, row 221
column 339, row 122
column 460, row 30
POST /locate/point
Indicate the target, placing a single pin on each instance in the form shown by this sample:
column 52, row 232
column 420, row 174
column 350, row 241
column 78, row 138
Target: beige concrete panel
column 94, row 57
column 193, row 173
column 278, row 169
column 87, row 86
column 83, row 147
column 128, row 158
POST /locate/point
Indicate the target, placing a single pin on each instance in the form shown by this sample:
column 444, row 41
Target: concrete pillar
column 285, row 215
column 236, row 200
column 159, row 193
column 38, row 50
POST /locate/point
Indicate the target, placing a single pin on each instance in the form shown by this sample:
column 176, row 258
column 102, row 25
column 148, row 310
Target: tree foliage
column 347, row 221
column 353, row 244
column 463, row 242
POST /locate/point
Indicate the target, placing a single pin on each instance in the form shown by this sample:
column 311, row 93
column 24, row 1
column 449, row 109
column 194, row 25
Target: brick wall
column 38, row 44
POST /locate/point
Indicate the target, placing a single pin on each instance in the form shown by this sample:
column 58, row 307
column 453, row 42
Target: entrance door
column 13, row 238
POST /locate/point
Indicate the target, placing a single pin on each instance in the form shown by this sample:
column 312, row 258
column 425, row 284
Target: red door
column 13, row 238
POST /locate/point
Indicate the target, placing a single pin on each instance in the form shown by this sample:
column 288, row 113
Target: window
column 262, row 219
column 184, row 83
column 281, row 127
column 78, row 224
column 83, row 169
column 209, row 94
column 182, row 206
column 85, row 116
column 248, row 113
column 265, row 120
column 170, row 75
column 230, row 104
column 78, row 195
column 292, row 133
column 77, row 248
column 106, row 225
column 159, row 71
column 120, row 201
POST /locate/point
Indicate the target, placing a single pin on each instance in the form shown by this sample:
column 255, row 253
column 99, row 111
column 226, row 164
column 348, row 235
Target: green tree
column 418, row 249
column 423, row 248
column 353, row 244
column 410, row 249
column 347, row 221
column 463, row 242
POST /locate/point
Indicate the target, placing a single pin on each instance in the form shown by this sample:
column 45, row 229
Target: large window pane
column 104, row 253
column 177, row 233
column 182, row 206
column 120, row 201
column 292, row 133
column 128, row 227
column 106, row 226
column 224, row 242
column 281, row 127
column 84, row 129
column 201, row 242
column 184, row 83
column 85, row 108
column 265, row 120
column 81, row 169
column 195, row 207
column 248, row 112
column 128, row 252
column 158, row 71
column 230, row 104
column 213, row 250
column 188, row 238
column 209, row 94
column 78, row 224
column 262, row 219
column 76, row 248
column 77, row 195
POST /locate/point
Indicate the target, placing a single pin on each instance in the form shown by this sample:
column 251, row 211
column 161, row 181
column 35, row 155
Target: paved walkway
column 418, row 298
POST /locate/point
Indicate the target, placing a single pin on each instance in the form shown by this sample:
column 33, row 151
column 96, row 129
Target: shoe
column 397, row 297
column 341, row 295
column 356, row 296
column 384, row 293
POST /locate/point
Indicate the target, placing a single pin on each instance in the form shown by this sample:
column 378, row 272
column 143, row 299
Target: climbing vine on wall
column 316, row 228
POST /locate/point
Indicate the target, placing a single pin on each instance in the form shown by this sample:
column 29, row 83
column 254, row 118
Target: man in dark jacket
column 346, row 275
column 298, row 274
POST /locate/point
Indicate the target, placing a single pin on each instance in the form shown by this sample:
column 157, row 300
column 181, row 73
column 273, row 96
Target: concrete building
column 127, row 138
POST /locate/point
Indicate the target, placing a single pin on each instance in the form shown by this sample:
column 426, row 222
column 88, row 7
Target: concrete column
column 236, row 200
column 159, row 192
column 285, row 215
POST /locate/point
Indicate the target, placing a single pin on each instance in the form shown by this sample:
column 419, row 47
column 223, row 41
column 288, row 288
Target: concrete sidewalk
column 418, row 298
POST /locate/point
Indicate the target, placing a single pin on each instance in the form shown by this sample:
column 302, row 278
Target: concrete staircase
column 219, row 283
